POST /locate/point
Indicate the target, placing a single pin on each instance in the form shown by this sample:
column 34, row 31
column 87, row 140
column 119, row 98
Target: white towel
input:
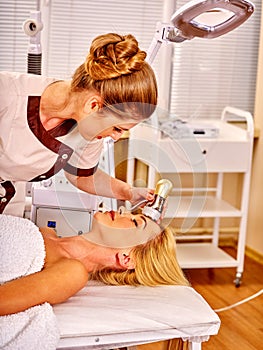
column 22, row 252
column 21, row 247
column 35, row 328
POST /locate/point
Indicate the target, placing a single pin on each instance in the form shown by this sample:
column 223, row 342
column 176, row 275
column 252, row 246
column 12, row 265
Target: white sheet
column 104, row 317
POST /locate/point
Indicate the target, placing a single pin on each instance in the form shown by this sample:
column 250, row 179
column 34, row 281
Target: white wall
column 255, row 219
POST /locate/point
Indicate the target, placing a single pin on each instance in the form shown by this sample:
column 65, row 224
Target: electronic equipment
column 177, row 128
column 154, row 210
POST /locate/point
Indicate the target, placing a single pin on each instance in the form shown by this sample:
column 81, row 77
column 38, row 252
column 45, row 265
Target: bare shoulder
column 67, row 276
column 70, row 266
column 70, row 271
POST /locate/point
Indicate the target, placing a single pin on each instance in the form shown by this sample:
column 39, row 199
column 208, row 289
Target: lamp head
column 209, row 18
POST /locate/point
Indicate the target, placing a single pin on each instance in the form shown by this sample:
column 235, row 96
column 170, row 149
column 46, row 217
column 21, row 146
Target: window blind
column 13, row 40
column 208, row 75
column 74, row 24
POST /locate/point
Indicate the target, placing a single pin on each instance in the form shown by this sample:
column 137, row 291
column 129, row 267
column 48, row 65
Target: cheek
column 105, row 133
column 122, row 223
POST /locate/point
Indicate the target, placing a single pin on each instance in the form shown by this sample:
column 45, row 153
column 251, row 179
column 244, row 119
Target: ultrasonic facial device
column 203, row 19
column 154, row 210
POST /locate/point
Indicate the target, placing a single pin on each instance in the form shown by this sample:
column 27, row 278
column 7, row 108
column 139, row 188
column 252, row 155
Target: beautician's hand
column 140, row 193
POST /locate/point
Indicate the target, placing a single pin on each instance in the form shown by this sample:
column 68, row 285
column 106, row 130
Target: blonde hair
column 115, row 67
column 155, row 264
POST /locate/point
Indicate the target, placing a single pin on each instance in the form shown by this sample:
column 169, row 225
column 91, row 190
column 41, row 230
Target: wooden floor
column 242, row 326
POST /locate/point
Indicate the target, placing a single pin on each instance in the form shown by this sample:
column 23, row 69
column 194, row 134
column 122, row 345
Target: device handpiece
column 154, row 209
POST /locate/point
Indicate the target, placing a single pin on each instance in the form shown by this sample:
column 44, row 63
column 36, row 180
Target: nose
column 115, row 137
column 123, row 210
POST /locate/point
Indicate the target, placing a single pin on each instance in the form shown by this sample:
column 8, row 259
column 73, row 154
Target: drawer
column 202, row 156
column 229, row 152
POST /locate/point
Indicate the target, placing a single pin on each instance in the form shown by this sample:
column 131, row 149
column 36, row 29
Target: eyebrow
column 143, row 218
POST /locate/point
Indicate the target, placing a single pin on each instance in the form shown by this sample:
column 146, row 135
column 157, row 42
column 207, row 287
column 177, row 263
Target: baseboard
column 254, row 255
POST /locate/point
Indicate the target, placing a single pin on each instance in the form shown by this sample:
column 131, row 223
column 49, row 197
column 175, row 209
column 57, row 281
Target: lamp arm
column 164, row 33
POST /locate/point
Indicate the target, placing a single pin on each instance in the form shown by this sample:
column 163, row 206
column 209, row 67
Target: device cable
column 240, row 302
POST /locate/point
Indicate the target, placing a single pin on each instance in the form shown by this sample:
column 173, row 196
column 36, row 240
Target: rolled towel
column 22, row 249
column 22, row 252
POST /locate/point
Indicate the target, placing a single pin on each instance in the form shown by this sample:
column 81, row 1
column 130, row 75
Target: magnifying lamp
column 201, row 18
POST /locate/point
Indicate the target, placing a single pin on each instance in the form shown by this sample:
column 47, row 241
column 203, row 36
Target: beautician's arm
column 104, row 185
column 53, row 284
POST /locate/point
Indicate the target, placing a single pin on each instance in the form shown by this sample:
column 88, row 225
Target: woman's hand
column 140, row 193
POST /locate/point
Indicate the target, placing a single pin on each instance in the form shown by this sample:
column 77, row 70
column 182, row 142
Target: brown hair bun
column 112, row 55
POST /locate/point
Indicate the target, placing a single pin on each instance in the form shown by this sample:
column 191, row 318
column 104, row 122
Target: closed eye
column 117, row 129
column 135, row 222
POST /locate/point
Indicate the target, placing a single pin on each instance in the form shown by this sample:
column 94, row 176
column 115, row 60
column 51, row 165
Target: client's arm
column 53, row 284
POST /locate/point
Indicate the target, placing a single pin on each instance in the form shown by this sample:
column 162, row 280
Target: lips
column 112, row 214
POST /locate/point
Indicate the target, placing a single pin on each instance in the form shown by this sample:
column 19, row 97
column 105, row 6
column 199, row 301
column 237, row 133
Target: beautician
column 47, row 124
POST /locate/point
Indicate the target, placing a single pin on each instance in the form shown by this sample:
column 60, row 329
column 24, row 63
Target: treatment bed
column 109, row 317
column 98, row 316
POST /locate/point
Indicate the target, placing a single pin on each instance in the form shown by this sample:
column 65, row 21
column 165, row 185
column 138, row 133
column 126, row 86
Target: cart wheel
column 237, row 280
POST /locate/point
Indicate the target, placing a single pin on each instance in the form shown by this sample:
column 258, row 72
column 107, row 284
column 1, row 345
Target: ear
column 125, row 261
column 92, row 104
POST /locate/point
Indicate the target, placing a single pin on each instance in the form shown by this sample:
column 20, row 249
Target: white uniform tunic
column 28, row 152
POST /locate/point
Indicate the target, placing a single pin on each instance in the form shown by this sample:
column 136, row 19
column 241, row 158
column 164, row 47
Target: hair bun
column 112, row 55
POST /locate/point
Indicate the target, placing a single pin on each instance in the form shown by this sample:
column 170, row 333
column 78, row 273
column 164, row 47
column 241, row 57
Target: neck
column 57, row 104
column 92, row 256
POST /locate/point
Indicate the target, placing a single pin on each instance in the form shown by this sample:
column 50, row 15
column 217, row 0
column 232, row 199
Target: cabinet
column 228, row 152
